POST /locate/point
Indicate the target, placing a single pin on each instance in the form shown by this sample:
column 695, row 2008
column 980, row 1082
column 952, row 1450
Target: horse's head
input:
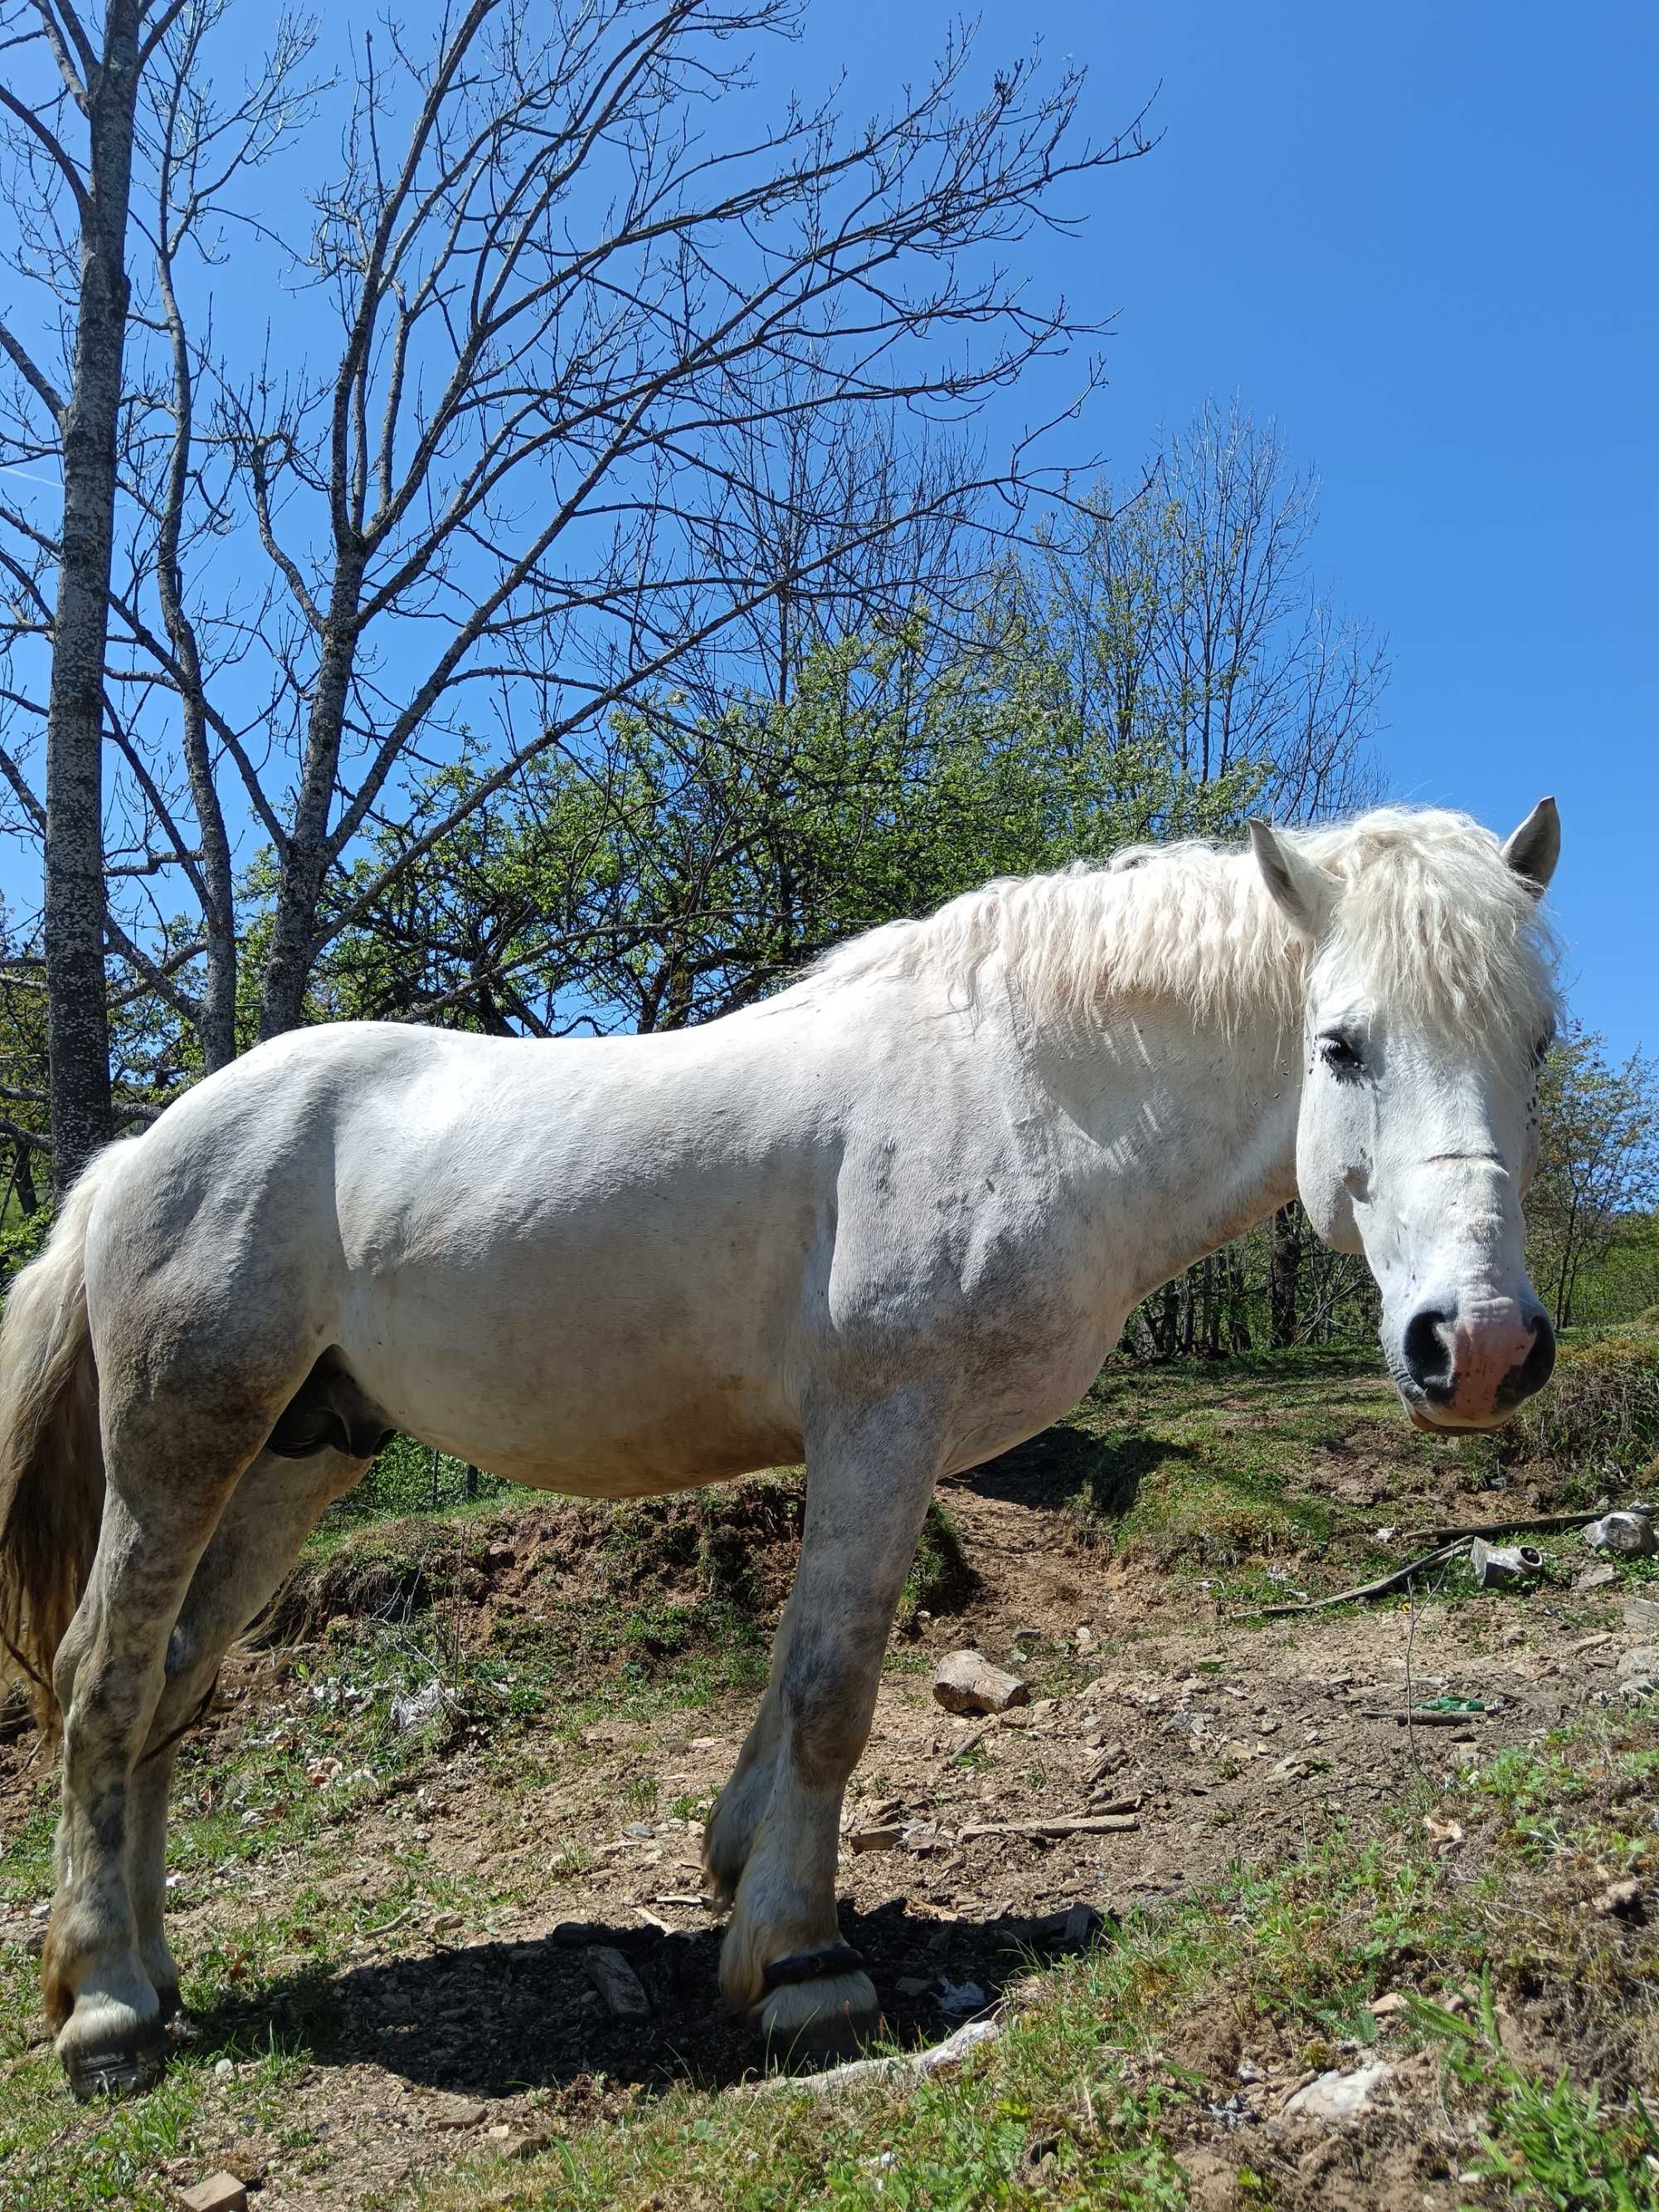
column 1429, row 1007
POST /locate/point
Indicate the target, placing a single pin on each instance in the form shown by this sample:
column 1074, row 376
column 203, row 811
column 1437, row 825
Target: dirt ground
column 1224, row 1739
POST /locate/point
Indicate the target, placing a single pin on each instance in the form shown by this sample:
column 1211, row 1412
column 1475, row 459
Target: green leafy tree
column 1598, row 1166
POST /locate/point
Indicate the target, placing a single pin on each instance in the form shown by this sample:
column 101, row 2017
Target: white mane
column 1442, row 930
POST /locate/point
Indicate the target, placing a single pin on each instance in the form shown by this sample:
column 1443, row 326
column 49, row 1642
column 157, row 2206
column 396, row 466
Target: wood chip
column 1088, row 1824
column 456, row 2117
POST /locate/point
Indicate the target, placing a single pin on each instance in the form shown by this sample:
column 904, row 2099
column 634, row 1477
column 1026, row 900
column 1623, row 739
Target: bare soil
column 1232, row 1740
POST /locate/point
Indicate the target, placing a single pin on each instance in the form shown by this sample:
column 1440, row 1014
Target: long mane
column 1443, row 932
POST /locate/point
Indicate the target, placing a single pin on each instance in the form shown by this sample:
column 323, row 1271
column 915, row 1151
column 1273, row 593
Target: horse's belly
column 602, row 1413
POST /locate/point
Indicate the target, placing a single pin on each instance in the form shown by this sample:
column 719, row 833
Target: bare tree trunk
column 1238, row 1312
column 1284, row 1269
column 23, row 1182
column 77, row 1008
column 293, row 946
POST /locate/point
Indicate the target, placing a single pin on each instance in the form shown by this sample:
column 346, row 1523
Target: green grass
column 1083, row 2101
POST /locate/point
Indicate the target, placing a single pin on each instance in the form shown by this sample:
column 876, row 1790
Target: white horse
column 891, row 1220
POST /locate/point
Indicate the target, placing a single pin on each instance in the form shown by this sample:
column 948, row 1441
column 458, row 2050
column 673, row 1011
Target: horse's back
column 564, row 1261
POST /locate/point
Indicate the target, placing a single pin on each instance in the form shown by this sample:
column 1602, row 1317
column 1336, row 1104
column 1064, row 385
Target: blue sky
column 1424, row 238
column 1423, row 241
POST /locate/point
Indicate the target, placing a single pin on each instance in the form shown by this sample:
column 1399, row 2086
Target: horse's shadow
column 1067, row 1466
column 498, row 2018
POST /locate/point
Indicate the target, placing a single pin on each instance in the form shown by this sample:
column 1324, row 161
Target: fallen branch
column 1540, row 1525
column 1380, row 1587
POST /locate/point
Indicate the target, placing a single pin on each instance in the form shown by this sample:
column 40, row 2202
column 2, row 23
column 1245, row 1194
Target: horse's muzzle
column 1471, row 1370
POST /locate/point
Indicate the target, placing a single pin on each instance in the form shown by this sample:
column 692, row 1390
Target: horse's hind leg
column 775, row 1833
column 108, row 1678
column 174, row 1451
column 275, row 1506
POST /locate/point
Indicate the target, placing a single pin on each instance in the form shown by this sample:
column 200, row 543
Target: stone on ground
column 616, row 1983
column 1337, row 2097
column 219, row 2192
column 967, row 1682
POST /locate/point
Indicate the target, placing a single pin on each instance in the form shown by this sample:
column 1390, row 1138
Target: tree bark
column 1284, row 1271
column 76, row 1002
column 293, row 947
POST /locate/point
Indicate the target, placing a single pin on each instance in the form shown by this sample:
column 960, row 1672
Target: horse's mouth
column 1456, row 1425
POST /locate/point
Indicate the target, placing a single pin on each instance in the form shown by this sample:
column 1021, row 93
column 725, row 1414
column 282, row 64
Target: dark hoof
column 167, row 1997
column 110, row 2073
column 830, row 2018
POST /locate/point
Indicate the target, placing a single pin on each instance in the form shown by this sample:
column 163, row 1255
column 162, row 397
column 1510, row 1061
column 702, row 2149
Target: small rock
column 619, row 1986
column 913, row 1985
column 1594, row 1578
column 1083, row 1924
column 1496, row 1566
column 958, row 1999
column 579, row 1933
column 224, row 2068
column 1027, row 1635
column 1385, row 2008
column 1337, row 2097
column 462, row 2115
column 875, row 1839
column 1621, row 1901
column 1641, row 1613
column 219, row 2192
column 529, row 2146
column 967, row 1682
column 1630, row 1535
column 1640, row 1664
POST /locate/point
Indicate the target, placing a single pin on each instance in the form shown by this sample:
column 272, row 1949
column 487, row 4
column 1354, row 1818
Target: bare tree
column 96, row 93
column 583, row 325
column 1187, row 610
column 568, row 315
column 89, row 661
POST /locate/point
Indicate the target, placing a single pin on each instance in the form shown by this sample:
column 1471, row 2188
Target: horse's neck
column 1192, row 1133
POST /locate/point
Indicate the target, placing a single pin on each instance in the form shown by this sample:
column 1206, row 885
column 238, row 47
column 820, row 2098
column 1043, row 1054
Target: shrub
column 1600, row 1414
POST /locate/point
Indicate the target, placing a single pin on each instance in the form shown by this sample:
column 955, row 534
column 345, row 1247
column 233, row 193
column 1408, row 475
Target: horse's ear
column 1306, row 893
column 1533, row 849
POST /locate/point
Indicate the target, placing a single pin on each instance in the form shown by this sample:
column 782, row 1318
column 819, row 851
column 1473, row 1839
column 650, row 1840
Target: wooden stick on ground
column 1540, row 1525
column 1380, row 1587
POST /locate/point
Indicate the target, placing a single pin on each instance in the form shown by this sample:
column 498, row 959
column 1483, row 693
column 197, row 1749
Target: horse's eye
column 1340, row 1052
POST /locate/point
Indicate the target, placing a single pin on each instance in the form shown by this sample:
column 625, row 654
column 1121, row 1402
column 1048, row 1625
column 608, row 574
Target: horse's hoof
column 828, row 2017
column 128, row 2071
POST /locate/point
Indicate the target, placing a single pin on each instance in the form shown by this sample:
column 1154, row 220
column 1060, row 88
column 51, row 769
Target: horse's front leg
column 775, row 1834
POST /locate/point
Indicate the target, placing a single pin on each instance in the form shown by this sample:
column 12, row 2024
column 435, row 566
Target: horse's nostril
column 1539, row 1363
column 1427, row 1349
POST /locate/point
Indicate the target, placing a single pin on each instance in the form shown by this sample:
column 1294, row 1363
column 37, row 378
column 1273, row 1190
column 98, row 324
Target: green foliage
column 1600, row 1415
column 1598, row 1176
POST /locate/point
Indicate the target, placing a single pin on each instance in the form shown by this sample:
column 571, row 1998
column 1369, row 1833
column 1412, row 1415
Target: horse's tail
column 52, row 1459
